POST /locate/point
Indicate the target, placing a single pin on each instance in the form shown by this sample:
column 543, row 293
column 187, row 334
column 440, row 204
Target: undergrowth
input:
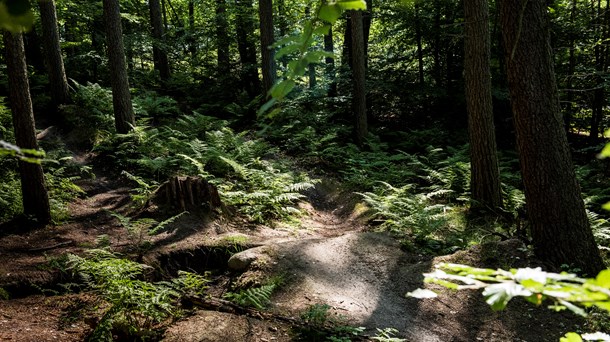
column 133, row 307
column 249, row 174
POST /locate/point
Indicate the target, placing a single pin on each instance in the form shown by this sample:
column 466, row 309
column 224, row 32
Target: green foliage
column 10, row 196
column 15, row 15
column 322, row 326
column 261, row 189
column 139, row 230
column 387, row 335
column 143, row 191
column 4, row 295
column 60, row 177
column 565, row 290
column 257, row 297
column 150, row 105
column 133, row 303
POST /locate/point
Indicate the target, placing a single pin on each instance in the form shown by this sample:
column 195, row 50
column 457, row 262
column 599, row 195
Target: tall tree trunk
column 571, row 69
column 436, row 49
column 124, row 118
column 485, row 174
column 222, row 38
column 247, row 47
column 55, row 62
column 159, row 54
column 346, row 53
column 283, row 25
column 330, row 63
column 560, row 229
column 33, row 53
column 192, row 41
column 420, row 52
column 358, row 73
column 265, row 12
column 33, row 189
column 367, row 19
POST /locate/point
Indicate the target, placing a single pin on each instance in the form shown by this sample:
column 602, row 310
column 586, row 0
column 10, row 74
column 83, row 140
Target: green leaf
column 603, row 279
column 347, row 5
column 422, row 293
column 322, row 30
column 498, row 295
column 281, row 89
column 605, row 152
column 14, row 18
column 330, row 13
column 571, row 337
column 606, row 206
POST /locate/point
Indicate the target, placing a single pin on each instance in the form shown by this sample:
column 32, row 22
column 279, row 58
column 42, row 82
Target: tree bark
column 160, row 59
column 55, row 63
column 485, row 174
column 560, row 229
column 265, row 12
column 192, row 42
column 359, row 77
column 330, row 64
column 33, row 188
column 124, row 118
column 420, row 51
column 247, row 47
column 222, row 38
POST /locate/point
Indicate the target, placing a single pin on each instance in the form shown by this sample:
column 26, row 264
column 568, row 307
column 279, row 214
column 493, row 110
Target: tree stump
column 188, row 194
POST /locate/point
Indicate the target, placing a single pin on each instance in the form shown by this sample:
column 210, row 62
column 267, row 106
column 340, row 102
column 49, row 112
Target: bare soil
column 331, row 258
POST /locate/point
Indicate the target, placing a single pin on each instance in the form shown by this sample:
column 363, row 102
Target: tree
column 222, row 38
column 358, row 73
column 247, row 48
column 330, row 63
column 124, row 118
column 265, row 12
column 55, row 62
column 560, row 230
column 33, row 188
column 159, row 54
column 485, row 174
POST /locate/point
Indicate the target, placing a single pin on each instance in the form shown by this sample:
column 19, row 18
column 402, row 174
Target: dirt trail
column 331, row 259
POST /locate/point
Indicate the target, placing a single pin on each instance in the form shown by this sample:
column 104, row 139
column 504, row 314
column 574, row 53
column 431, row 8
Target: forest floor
column 332, row 257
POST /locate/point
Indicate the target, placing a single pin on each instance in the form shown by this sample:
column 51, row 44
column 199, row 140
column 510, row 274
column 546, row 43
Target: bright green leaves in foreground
column 15, row 15
column 29, row 155
column 332, row 11
column 567, row 291
column 298, row 46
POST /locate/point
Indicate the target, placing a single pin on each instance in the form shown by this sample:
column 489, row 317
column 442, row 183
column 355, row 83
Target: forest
column 332, row 170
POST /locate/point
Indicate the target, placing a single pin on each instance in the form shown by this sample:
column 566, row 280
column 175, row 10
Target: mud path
column 331, row 258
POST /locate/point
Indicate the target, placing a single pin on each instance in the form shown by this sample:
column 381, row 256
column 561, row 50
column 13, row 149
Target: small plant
column 322, row 326
column 134, row 304
column 143, row 192
column 139, row 230
column 257, row 297
column 387, row 335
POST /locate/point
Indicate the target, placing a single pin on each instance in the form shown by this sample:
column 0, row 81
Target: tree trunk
column 436, row 49
column 55, row 62
column 159, row 54
column 330, row 64
column 560, row 229
column 571, row 69
column 33, row 189
column 420, row 51
column 33, row 53
column 222, row 38
column 247, row 48
column 265, row 12
column 124, row 118
column 283, row 25
column 358, row 73
column 192, row 42
column 485, row 174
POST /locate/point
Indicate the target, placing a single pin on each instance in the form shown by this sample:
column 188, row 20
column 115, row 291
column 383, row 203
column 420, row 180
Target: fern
column 258, row 297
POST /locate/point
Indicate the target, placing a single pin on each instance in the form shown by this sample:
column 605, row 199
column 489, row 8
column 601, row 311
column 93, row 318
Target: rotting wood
column 188, row 194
